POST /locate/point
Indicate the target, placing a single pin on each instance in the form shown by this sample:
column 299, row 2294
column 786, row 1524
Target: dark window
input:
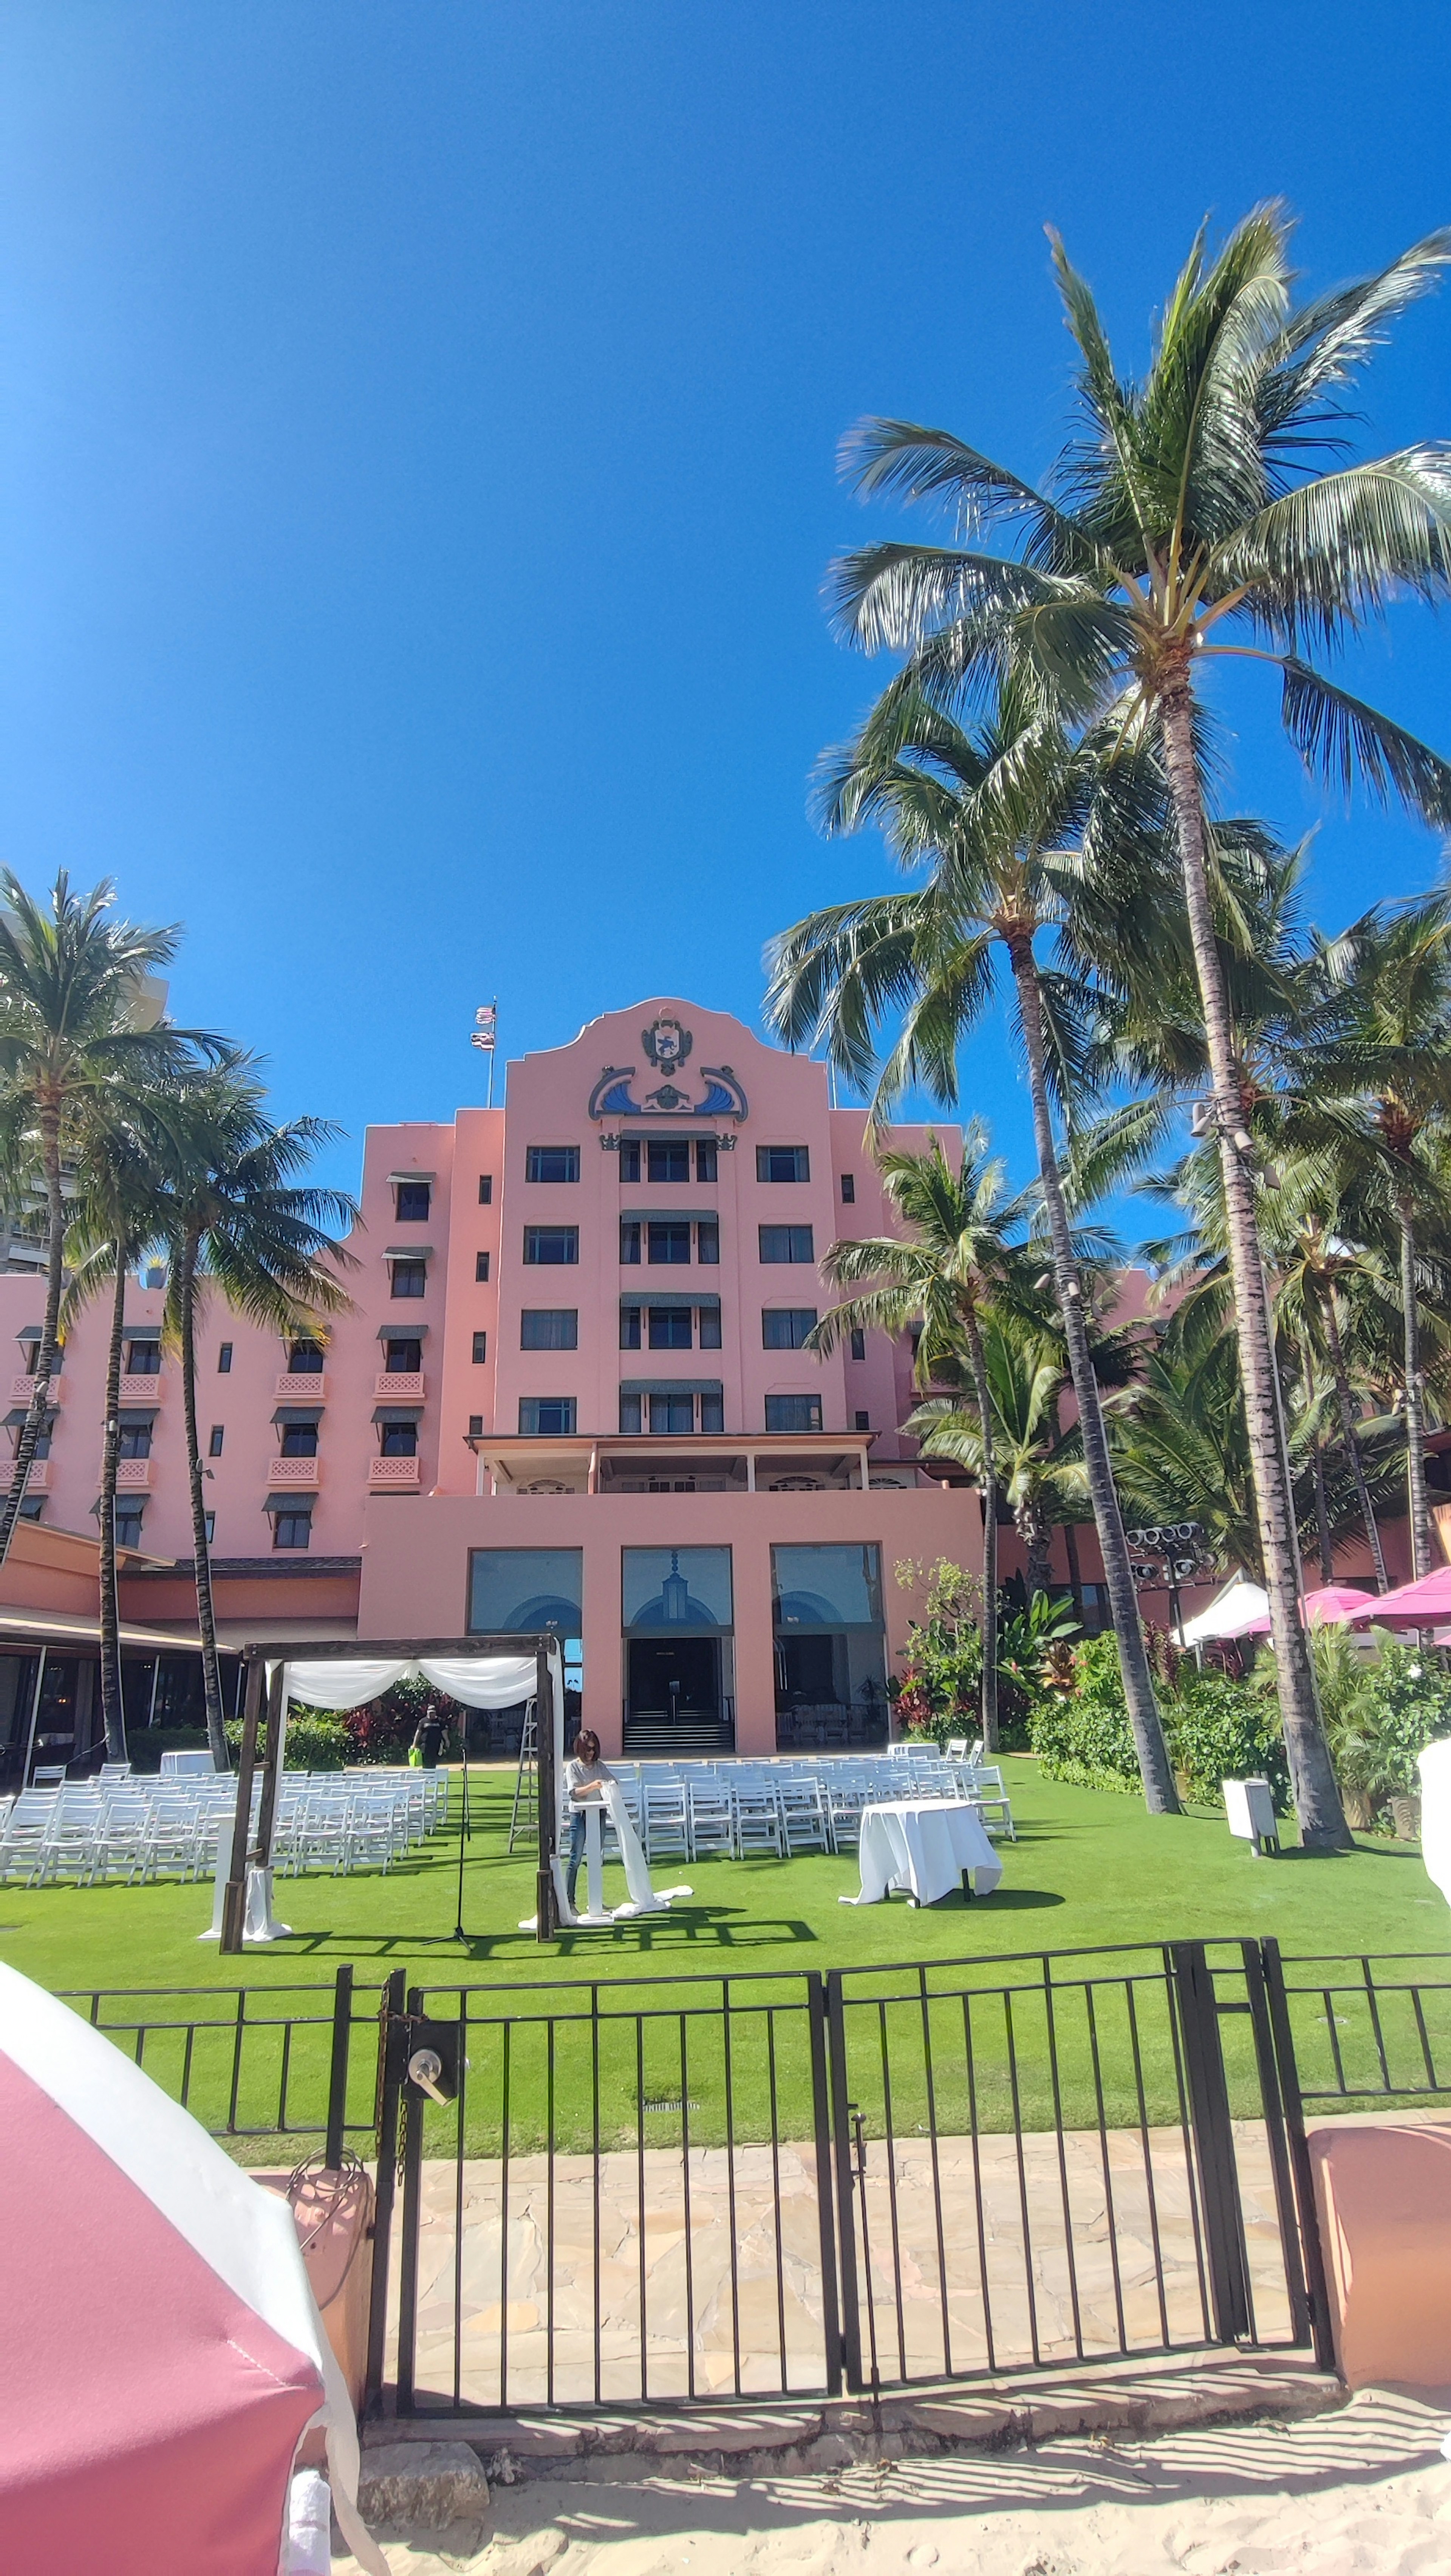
column 548, row 1247
column 848, row 1189
column 143, row 1359
column 707, row 1240
column 629, row 1158
column 304, row 1359
column 629, row 1413
column 134, row 1440
column 292, row 1529
column 218, row 1436
column 668, row 1239
column 42, row 1441
column 787, row 1243
column 299, row 1440
column 128, row 1524
column 476, row 1426
column 486, row 1189
column 549, row 1416
column 402, row 1357
column 481, row 1265
column 629, row 1328
column 209, row 1526
column 712, row 1413
column 410, row 1278
column 549, row 1328
column 224, row 1359
column 705, row 1167
column 858, row 1343
column 782, row 1163
column 784, row 1328
column 551, row 1163
column 412, row 1201
column 672, row 1413
column 863, row 1422
column 398, row 1439
column 793, row 1413
column 667, row 1159
column 481, row 1348
column 629, row 1240
column 670, row 1328
column 710, row 1328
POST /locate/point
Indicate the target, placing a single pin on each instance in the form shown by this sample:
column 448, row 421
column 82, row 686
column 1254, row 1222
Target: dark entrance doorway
column 674, row 1703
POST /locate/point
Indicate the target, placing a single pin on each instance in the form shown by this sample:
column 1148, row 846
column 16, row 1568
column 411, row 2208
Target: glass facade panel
column 549, row 1328
column 784, row 1328
column 827, row 1587
column 551, row 1163
column 515, row 1590
column 676, row 1587
column 786, row 1243
column 793, row 1413
column 548, row 1417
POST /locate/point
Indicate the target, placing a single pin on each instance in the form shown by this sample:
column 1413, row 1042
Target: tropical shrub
column 1221, row 1730
column 940, row 1692
column 1404, row 1706
column 1083, row 1734
column 315, row 1742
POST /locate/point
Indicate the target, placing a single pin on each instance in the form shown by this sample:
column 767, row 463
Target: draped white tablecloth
column 187, row 1766
column 923, row 1845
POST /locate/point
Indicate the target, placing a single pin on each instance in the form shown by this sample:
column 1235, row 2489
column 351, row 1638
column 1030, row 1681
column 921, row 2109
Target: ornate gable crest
column 666, row 1043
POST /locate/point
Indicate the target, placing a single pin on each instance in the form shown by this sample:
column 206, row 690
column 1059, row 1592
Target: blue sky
column 417, row 435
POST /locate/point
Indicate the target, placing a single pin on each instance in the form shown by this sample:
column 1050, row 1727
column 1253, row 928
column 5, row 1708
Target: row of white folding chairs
column 846, row 1785
column 89, row 1838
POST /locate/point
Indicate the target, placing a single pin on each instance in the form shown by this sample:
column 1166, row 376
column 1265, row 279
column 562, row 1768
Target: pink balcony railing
column 22, row 1388
column 300, row 1388
column 38, row 1480
column 142, row 1390
column 397, row 1386
column 294, row 1471
column 393, row 1476
column 133, row 1474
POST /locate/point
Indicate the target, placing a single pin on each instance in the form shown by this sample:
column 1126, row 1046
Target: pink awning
column 1413, row 1605
column 162, row 2352
column 1330, row 1607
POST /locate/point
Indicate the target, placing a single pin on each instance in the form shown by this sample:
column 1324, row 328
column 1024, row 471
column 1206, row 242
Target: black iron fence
column 675, row 2190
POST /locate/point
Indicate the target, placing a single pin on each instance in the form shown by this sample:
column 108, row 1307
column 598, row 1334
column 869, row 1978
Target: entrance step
column 690, row 1739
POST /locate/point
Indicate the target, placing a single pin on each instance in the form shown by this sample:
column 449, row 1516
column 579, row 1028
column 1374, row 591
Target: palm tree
column 1379, row 1090
column 1002, row 818
column 72, row 1049
column 1189, row 511
column 1041, row 1472
column 1325, row 1280
column 942, row 1274
column 121, row 1209
column 239, row 1219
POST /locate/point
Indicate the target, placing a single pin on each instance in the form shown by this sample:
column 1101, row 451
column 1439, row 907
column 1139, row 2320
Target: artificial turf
column 1089, row 1870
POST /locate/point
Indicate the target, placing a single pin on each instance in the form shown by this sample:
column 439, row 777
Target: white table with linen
column 923, row 1845
column 187, row 1766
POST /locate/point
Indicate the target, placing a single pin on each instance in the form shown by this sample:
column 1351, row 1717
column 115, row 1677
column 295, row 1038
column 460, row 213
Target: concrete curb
column 787, row 2440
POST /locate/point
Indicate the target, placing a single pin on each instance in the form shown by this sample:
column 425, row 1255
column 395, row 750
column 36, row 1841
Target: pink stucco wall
column 415, row 1568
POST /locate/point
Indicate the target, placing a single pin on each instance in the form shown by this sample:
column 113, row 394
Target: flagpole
column 492, row 1052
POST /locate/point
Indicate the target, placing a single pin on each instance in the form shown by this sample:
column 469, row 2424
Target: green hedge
column 1217, row 1730
column 314, row 1742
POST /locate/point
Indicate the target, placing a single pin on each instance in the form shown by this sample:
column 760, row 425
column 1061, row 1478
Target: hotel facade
column 572, row 1388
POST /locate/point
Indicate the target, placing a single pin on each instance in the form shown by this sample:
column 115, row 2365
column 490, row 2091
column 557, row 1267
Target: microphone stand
column 464, row 1831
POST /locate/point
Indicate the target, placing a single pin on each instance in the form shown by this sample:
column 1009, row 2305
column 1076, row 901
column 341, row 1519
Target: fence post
column 825, row 2213
column 392, row 2038
column 1213, row 2141
column 408, row 2243
column 1276, row 2133
column 337, row 2091
column 851, row 2330
column 1310, row 2245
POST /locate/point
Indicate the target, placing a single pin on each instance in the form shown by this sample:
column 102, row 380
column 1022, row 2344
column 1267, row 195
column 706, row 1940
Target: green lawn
column 1089, row 1870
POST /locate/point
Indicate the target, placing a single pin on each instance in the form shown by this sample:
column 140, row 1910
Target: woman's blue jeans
column 576, row 1852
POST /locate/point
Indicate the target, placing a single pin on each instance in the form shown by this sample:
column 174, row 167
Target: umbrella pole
column 459, row 1933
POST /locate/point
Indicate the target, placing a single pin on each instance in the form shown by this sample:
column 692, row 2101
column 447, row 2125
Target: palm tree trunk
column 113, row 1705
column 205, row 1612
column 39, row 1406
column 1346, row 1402
column 1037, row 1541
column 1155, row 1769
column 1417, row 1497
column 978, row 1360
column 1317, row 1798
column 1322, row 1519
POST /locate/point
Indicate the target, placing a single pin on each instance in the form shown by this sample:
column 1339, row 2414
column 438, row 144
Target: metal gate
column 677, row 2191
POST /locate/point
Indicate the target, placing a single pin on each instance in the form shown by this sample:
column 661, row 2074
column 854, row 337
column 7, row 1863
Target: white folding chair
column 667, row 1821
column 803, row 1816
column 712, row 1820
column 758, row 1824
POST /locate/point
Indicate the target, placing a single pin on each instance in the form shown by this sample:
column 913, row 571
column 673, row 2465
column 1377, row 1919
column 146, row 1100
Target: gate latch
column 433, row 2059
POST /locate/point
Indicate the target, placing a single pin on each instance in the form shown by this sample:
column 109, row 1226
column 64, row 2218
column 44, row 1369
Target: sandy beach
column 1363, row 2489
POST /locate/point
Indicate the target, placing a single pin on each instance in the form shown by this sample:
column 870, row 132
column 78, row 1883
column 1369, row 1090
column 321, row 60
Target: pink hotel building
column 571, row 1389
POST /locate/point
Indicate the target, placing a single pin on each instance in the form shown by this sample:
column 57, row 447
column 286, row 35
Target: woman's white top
column 586, row 1776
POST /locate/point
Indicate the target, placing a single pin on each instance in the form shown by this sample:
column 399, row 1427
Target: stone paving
column 1027, row 2250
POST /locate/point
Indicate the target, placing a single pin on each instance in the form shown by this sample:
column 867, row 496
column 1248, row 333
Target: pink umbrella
column 1413, row 1605
column 162, row 2353
column 1332, row 1605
